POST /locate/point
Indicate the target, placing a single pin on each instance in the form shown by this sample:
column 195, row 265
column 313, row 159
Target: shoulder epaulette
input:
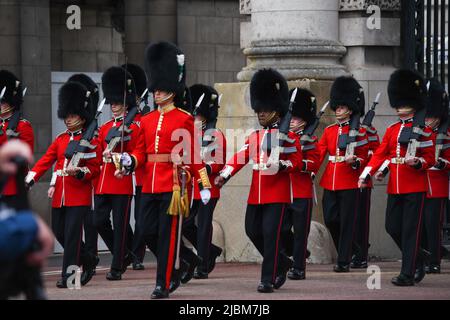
column 393, row 124
column 60, row 134
column 184, row 111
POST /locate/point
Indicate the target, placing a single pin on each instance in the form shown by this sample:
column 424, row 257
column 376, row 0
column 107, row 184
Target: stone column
column 148, row 21
column 300, row 38
column 372, row 55
column 25, row 43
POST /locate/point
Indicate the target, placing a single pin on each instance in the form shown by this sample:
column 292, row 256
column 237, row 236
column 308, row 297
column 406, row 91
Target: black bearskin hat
column 209, row 108
column 184, row 100
column 139, row 77
column 13, row 94
column 165, row 68
column 269, row 92
column 407, row 88
column 113, row 85
column 437, row 101
column 305, row 105
column 89, row 84
column 346, row 91
column 74, row 98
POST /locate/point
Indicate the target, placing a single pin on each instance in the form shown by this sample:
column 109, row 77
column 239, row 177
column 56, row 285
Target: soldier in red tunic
column 362, row 228
column 270, row 190
column 13, row 126
column 198, row 228
column 90, row 231
column 72, row 197
column 299, row 212
column 408, row 151
column 340, row 180
column 437, row 176
column 165, row 149
column 140, row 81
column 112, row 193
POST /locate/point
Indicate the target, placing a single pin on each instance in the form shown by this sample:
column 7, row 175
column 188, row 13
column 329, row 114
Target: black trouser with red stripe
column 116, row 237
column 433, row 220
column 159, row 231
column 138, row 246
column 361, row 238
column 403, row 223
column 298, row 214
column 67, row 225
column 339, row 212
column 263, row 225
column 200, row 234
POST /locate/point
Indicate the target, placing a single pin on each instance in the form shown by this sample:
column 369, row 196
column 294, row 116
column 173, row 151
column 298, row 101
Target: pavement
column 238, row 281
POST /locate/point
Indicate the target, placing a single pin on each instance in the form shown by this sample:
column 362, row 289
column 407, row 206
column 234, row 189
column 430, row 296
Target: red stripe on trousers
column 170, row 258
column 124, row 233
column 308, row 221
column 418, row 232
column 276, row 246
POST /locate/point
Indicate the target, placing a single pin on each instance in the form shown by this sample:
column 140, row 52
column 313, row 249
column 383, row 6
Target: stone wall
column 209, row 34
column 94, row 48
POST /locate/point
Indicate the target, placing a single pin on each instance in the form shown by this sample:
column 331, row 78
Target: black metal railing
column 425, row 46
column 425, row 37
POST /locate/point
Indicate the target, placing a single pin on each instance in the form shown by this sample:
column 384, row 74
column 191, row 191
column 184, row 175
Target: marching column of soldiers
column 172, row 158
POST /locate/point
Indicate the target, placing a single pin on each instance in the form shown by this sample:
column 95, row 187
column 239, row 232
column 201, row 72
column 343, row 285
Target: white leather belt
column 61, row 173
column 398, row 160
column 336, row 159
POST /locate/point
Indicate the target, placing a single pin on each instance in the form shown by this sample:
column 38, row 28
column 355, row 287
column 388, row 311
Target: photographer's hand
column 11, row 149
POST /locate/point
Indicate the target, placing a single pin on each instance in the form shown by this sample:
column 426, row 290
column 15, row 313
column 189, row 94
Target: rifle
column 442, row 138
column 368, row 119
column 309, row 130
column 143, row 99
column 413, row 134
column 351, row 143
column 11, row 132
column 114, row 136
column 283, row 133
column 77, row 150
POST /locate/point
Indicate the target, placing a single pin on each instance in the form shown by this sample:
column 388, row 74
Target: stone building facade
column 311, row 42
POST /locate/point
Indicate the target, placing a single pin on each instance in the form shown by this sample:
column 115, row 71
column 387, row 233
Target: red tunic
column 340, row 175
column 69, row 191
column 26, row 135
column 403, row 178
column 302, row 182
column 267, row 186
column 107, row 182
column 437, row 179
column 139, row 173
column 164, row 132
column 213, row 155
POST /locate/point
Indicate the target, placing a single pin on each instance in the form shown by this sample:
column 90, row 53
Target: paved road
column 236, row 281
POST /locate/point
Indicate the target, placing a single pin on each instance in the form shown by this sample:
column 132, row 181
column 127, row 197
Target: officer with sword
column 164, row 201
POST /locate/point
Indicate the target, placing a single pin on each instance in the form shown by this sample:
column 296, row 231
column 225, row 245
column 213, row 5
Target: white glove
column 205, row 194
column 126, row 160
